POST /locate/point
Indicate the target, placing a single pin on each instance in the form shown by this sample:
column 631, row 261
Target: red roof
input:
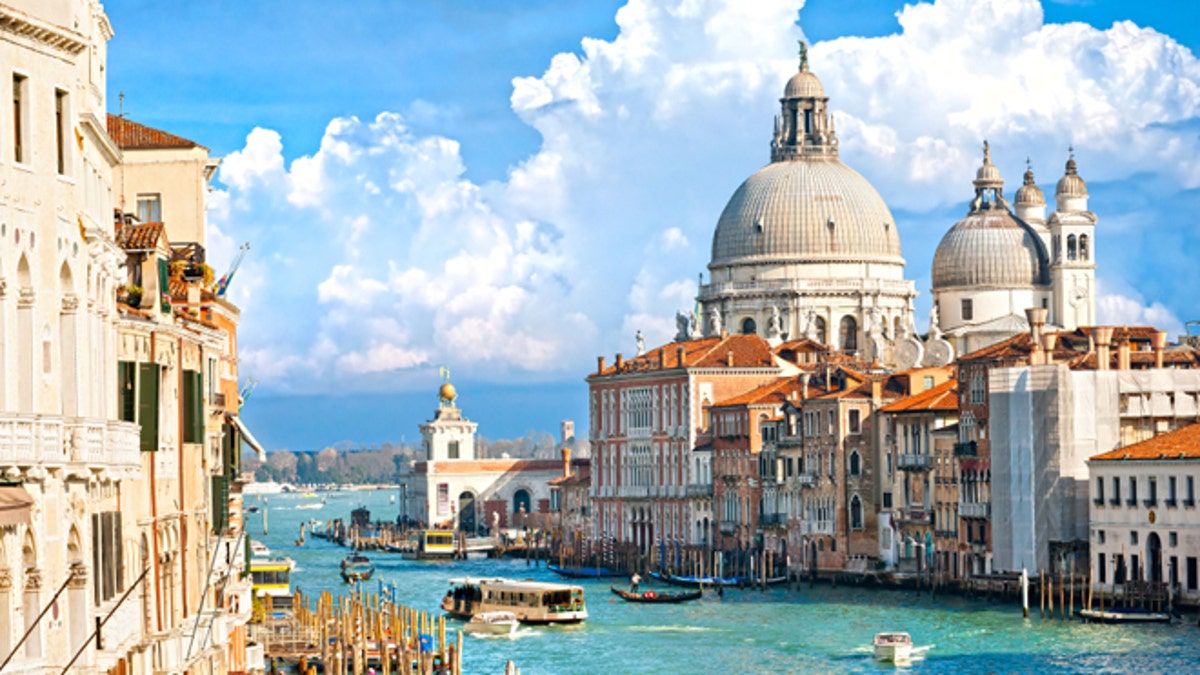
column 139, row 237
column 745, row 351
column 1179, row 444
column 129, row 135
column 942, row 398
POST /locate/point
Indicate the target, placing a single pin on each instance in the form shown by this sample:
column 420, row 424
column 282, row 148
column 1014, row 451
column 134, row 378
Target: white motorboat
column 259, row 549
column 893, row 647
column 492, row 623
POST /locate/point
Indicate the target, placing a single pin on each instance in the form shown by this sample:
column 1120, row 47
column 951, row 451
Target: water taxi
column 430, row 545
column 530, row 601
column 893, row 647
column 357, row 567
column 492, row 623
column 271, row 578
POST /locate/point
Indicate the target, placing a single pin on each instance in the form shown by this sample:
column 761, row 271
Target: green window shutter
column 126, row 394
column 193, row 407
column 220, row 503
column 164, row 288
column 148, row 386
column 201, row 407
column 229, row 454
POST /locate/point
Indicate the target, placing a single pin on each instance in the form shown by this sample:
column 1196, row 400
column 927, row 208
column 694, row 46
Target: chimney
column 1103, row 347
column 724, row 333
column 1159, row 341
column 620, row 361
column 804, row 377
column 566, row 454
column 679, row 351
column 1037, row 321
column 1123, row 354
column 1048, row 342
column 729, row 358
column 599, row 364
column 876, row 391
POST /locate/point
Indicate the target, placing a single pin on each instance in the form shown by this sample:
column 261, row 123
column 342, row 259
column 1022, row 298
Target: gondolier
column 636, row 580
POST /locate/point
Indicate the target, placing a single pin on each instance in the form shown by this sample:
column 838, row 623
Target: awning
column 15, row 504
column 249, row 438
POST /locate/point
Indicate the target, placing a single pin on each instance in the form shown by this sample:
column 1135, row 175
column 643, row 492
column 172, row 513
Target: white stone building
column 1144, row 524
column 1001, row 260
column 806, row 247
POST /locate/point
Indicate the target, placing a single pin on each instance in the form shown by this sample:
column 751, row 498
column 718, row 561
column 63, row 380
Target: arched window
column 855, row 462
column 1071, row 252
column 856, row 513
column 821, row 334
column 749, row 327
column 848, row 334
column 1083, row 247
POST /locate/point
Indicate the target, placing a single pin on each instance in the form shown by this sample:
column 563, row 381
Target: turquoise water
column 817, row 630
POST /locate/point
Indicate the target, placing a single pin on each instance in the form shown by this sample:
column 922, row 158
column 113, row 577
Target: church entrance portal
column 466, row 512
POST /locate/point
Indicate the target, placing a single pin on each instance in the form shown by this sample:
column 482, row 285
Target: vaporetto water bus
column 531, row 601
column 430, row 545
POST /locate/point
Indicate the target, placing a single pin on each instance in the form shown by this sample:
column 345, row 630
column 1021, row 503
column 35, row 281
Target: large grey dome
column 806, row 210
column 990, row 248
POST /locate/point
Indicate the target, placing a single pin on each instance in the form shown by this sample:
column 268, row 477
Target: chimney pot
column 679, row 358
column 804, row 377
column 620, row 360
column 566, row 455
column 600, row 364
column 1103, row 346
column 1048, row 342
column 1159, row 341
column 1123, row 354
column 729, row 358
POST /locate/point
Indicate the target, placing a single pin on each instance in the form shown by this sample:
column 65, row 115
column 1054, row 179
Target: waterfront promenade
column 819, row 629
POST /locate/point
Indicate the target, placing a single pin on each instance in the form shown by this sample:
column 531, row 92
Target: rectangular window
column 854, row 421
column 1132, row 501
column 1099, row 490
column 1191, row 573
column 127, row 394
column 61, row 129
column 1116, row 491
column 929, row 382
column 148, row 387
column 220, row 503
column 149, row 208
column 1133, row 537
column 968, row 310
column 830, row 417
column 452, row 450
column 1152, row 489
column 1172, row 539
column 1100, row 566
column 1100, row 536
column 1191, row 492
column 887, row 500
column 107, row 555
column 20, row 117
column 443, row 499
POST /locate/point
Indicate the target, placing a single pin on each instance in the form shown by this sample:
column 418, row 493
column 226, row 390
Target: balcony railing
column 1150, row 503
column 1115, row 501
column 914, row 462
column 34, row 440
column 806, row 479
column 974, row 509
column 772, row 519
column 967, row 449
column 1189, row 502
column 1132, row 501
column 1170, row 502
column 911, row 515
column 728, row 526
column 700, row 491
column 1098, row 501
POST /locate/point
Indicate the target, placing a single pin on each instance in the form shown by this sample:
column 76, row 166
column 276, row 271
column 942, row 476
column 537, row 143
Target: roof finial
column 1071, row 151
column 1028, row 163
column 803, row 55
column 987, row 153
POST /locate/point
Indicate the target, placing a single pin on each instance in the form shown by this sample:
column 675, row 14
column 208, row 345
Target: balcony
column 1098, row 501
column 1115, row 501
column 807, row 480
column 1189, row 502
column 728, row 526
column 635, row 491
column 1150, row 503
column 974, row 510
column 73, row 443
column 1171, row 503
column 772, row 519
column 916, row 516
column 914, row 462
column 703, row 491
column 967, row 449
column 1131, row 502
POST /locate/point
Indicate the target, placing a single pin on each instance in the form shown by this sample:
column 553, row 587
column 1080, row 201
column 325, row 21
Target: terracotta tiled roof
column 749, row 351
column 774, row 393
column 942, row 398
column 474, row 465
column 139, row 237
column 581, row 476
column 1179, row 444
column 129, row 135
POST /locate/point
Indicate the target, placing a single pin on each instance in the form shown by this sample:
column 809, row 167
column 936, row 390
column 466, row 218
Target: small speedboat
column 893, row 647
column 492, row 623
column 357, row 567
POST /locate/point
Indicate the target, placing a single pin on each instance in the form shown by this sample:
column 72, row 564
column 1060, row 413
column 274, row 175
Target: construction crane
column 223, row 282
column 247, row 389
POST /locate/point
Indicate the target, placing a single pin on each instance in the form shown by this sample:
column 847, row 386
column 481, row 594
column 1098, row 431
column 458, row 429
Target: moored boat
column 665, row 597
column 1123, row 615
column 893, row 647
column 492, row 623
column 357, row 567
column 700, row 581
column 531, row 601
column 429, row 545
column 271, row 578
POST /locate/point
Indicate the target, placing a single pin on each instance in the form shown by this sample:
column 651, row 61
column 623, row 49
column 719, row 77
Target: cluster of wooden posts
column 348, row 635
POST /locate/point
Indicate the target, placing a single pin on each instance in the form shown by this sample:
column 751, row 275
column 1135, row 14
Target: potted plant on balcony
column 133, row 295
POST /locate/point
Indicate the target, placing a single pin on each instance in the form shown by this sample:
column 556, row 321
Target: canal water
column 811, row 630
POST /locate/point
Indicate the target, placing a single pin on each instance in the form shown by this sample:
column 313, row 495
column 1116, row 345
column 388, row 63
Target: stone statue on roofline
column 694, row 328
column 811, row 321
column 773, row 327
column 714, row 318
column 683, row 326
column 641, row 343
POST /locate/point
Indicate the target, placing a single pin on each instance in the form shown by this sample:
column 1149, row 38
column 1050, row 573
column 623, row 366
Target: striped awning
column 15, row 504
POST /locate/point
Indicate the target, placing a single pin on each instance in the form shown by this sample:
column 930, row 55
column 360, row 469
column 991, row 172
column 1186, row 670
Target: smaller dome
column 990, row 249
column 1071, row 185
column 1029, row 192
column 804, row 84
column 988, row 174
column 446, row 392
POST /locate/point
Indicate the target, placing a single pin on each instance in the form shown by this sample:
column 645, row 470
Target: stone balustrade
column 51, row 441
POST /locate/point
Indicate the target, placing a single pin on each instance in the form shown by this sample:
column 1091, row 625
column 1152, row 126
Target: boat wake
column 672, row 629
column 518, row 634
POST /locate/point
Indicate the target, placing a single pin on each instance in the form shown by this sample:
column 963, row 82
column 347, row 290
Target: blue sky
column 511, row 189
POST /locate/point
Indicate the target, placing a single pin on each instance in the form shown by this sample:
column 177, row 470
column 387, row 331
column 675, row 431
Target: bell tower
column 1073, row 252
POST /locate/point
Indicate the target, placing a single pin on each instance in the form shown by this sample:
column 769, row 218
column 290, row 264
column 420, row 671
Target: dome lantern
column 804, row 127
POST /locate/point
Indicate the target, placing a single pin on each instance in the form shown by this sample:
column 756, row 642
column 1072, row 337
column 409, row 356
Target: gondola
column 727, row 582
column 584, row 572
column 656, row 596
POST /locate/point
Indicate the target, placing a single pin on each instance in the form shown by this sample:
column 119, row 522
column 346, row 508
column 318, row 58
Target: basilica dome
column 806, row 210
column 991, row 248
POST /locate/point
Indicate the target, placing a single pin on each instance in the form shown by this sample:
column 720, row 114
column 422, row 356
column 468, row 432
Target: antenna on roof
column 121, row 104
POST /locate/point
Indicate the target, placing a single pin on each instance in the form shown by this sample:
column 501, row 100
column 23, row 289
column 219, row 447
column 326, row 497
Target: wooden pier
column 347, row 635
